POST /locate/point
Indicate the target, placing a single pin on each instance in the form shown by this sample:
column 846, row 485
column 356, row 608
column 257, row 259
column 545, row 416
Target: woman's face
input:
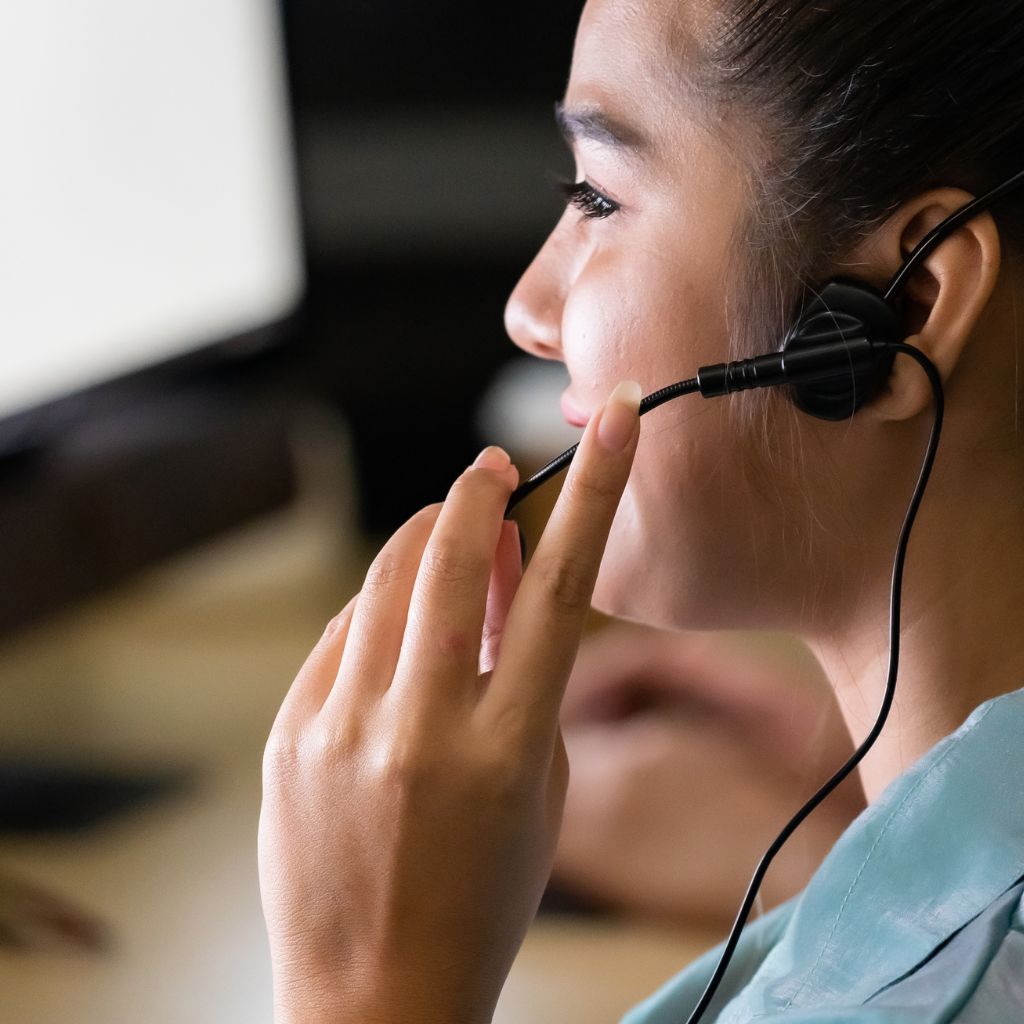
column 636, row 290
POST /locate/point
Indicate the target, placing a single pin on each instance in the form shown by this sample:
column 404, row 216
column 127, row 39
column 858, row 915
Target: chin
column 645, row 579
column 633, row 583
column 673, row 601
column 625, row 595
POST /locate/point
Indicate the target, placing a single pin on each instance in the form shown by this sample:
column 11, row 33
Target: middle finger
column 446, row 613
column 378, row 623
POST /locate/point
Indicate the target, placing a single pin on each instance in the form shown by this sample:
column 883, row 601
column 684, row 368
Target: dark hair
column 856, row 106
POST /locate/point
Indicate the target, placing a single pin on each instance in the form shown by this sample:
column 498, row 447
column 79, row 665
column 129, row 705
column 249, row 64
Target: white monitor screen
column 147, row 203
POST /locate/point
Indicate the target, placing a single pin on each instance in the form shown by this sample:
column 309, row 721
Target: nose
column 533, row 314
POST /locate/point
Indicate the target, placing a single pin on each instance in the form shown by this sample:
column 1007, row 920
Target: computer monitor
column 148, row 212
column 147, row 204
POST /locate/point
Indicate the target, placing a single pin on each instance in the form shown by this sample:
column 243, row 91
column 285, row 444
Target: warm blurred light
column 146, row 196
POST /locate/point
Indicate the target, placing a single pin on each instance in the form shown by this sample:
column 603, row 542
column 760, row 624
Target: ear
column 942, row 301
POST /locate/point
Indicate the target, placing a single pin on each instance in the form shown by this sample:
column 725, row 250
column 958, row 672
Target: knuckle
column 567, row 584
column 406, row 763
column 385, row 571
column 293, row 756
column 282, row 757
column 335, row 625
column 589, row 487
column 412, row 767
column 445, row 567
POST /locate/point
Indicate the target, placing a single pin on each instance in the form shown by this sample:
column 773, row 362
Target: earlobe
column 944, row 301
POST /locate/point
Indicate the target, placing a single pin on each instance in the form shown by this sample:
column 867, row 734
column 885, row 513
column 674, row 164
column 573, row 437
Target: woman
column 730, row 154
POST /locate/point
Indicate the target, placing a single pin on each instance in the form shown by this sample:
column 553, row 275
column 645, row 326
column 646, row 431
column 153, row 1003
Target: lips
column 574, row 415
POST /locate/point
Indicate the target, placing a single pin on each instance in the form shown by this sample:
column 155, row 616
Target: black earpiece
column 835, row 357
column 844, row 311
column 839, row 351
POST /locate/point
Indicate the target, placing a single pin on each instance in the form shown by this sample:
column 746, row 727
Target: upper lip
column 574, row 413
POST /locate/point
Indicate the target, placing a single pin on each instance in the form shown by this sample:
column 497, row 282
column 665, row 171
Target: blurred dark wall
column 365, row 53
column 425, row 134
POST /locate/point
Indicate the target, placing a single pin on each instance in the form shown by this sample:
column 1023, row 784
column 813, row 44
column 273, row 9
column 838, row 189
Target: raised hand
column 412, row 802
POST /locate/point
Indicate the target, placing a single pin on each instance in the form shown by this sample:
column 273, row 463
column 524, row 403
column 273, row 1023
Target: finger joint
column 591, row 488
column 445, row 567
column 386, row 571
column 568, row 584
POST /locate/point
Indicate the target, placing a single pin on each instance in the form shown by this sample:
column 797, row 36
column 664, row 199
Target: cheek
column 604, row 327
column 673, row 550
column 633, row 318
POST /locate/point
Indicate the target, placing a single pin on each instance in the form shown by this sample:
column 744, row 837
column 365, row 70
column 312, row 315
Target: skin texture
column 411, row 805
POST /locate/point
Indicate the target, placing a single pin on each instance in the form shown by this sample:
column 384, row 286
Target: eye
column 587, row 199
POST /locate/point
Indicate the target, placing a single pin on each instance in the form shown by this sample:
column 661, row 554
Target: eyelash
column 588, row 200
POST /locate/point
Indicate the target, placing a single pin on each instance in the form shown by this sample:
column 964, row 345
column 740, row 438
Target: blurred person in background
column 688, row 753
column 416, row 775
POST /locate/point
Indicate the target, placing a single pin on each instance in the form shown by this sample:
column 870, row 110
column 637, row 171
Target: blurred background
column 253, row 263
column 243, row 208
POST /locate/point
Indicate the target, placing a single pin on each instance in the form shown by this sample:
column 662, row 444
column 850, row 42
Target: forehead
column 638, row 67
column 633, row 60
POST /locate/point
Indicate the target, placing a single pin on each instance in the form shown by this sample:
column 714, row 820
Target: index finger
column 543, row 629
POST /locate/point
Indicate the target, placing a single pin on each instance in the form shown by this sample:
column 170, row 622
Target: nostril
column 535, row 329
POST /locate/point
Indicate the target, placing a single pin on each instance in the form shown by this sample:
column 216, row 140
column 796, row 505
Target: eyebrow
column 594, row 124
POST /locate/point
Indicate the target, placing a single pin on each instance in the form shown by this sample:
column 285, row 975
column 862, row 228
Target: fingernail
column 619, row 416
column 492, row 457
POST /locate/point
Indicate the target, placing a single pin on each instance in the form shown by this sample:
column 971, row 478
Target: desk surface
column 186, row 667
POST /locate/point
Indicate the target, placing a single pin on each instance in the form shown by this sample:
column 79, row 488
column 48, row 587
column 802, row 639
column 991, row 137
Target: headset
column 835, row 358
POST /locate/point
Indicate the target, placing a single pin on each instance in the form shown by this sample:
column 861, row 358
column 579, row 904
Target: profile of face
column 629, row 285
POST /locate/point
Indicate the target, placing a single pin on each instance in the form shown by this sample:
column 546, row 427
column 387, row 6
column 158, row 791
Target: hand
column 689, row 752
column 412, row 804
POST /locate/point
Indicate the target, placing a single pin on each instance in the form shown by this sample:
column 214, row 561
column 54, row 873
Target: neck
column 961, row 644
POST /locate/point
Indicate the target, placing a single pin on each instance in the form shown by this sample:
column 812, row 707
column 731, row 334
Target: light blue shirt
column 916, row 915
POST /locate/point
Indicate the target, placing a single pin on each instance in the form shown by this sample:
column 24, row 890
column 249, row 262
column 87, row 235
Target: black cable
column 890, row 687
column 939, row 234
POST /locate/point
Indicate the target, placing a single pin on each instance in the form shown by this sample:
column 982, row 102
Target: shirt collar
column 943, row 841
